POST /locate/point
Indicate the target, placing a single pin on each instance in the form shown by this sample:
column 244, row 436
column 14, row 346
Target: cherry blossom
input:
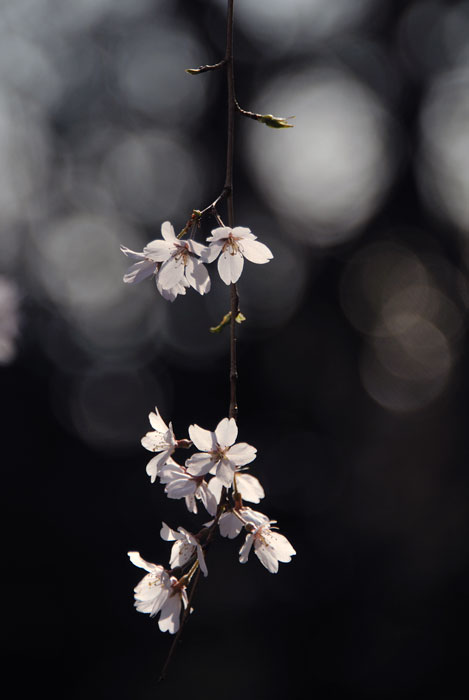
column 185, row 544
column 143, row 267
column 161, row 439
column 220, row 455
column 180, row 263
column 231, row 246
column 181, row 484
column 158, row 592
column 269, row 547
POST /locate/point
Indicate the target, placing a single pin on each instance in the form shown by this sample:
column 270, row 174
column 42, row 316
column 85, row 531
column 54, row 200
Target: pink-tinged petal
column 222, row 232
column 230, row 525
column 199, row 464
column 156, row 421
column 181, row 552
column 282, row 547
column 230, row 266
column 159, row 601
column 204, row 440
column 246, row 548
column 266, row 556
column 170, row 613
column 171, row 294
column 153, row 442
column 154, row 466
column 167, row 231
column 226, row 432
column 249, row 487
column 179, row 488
column 215, row 486
column 196, row 248
column 197, row 276
column 132, row 254
column 255, row 252
column 212, row 252
column 168, row 534
column 207, row 498
column 171, row 272
column 244, row 233
column 241, row 454
column 225, row 472
column 158, row 251
column 139, row 271
column 171, row 471
column 254, row 517
column 191, row 503
column 137, row 560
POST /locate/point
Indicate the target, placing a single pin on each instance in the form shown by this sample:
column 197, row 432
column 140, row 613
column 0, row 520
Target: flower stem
column 234, row 298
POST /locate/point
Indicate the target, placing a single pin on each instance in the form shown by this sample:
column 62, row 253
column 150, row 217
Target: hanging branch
column 177, row 263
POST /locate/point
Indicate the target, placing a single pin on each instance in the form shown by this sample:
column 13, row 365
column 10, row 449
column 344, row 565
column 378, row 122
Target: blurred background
column 353, row 383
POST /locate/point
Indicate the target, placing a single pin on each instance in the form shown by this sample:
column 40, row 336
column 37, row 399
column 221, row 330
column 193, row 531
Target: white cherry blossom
column 143, row 267
column 185, row 544
column 158, row 592
column 181, row 484
column 161, row 439
column 180, row 261
column 220, row 455
column 231, row 246
column 269, row 547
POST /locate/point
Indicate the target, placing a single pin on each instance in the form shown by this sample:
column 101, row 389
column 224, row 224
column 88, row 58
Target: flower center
column 219, row 453
column 231, row 244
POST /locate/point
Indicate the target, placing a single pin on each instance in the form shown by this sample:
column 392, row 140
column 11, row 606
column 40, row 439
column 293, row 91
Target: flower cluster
column 215, row 474
column 178, row 264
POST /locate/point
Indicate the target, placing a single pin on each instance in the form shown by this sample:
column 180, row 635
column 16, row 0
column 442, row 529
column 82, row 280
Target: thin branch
column 234, row 298
column 204, row 69
column 186, row 614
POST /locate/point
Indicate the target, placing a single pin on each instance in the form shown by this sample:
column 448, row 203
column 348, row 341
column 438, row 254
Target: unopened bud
column 273, row 122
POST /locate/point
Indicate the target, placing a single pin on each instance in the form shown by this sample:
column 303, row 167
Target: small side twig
column 204, row 69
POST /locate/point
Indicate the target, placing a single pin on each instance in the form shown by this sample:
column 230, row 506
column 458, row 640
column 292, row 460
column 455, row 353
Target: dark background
column 352, row 373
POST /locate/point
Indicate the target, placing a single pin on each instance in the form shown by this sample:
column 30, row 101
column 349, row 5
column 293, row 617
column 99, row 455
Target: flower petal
column 139, row 271
column 212, row 252
column 246, row 548
column 241, row 454
column 199, row 464
column 219, row 233
column 230, row 526
column 226, row 432
column 167, row 231
column 197, row 276
column 249, row 487
column 171, row 272
column 243, row 232
column 204, row 440
column 230, row 266
column 255, row 252
column 137, row 560
column 225, row 472
column 156, row 421
column 158, row 251
column 266, row 556
column 168, row 534
column 132, row 254
column 170, row 613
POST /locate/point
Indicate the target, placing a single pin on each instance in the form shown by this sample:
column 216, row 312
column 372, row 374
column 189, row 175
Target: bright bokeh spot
column 328, row 174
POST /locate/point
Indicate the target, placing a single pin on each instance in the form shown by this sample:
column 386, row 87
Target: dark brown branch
column 204, row 69
column 186, row 614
